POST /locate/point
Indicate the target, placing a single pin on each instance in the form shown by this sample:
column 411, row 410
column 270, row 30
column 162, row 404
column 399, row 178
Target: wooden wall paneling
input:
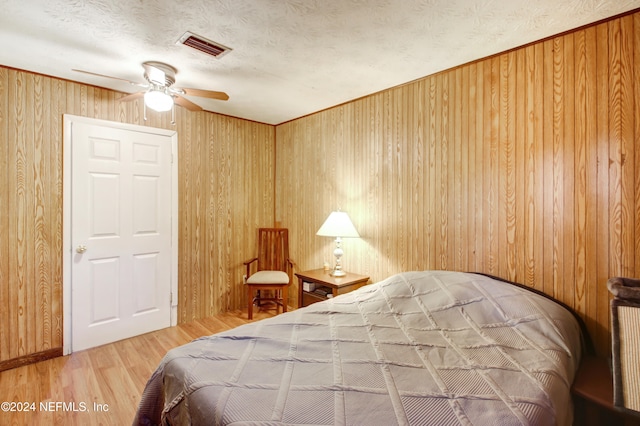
column 584, row 162
column 40, row 215
column 419, row 142
column 556, row 177
column 566, row 263
column 55, row 136
column 547, row 201
column 478, row 213
column 358, row 137
column 448, row 168
column 387, row 256
column 5, row 161
column 10, row 230
column 518, row 131
column 426, row 233
column 194, row 242
column 5, row 201
column 508, row 213
column 46, row 288
column 188, row 213
column 615, row 149
column 215, row 204
column 525, row 128
column 396, row 181
column 469, row 159
column 31, row 111
column 352, row 178
column 487, row 261
column 184, row 212
column 372, row 226
column 453, row 169
column 221, row 202
column 603, row 227
column 399, row 182
column 19, row 255
column 492, row 174
column 385, row 196
column 522, row 165
column 440, row 190
column 200, row 191
column 579, row 197
column 635, row 69
column 538, row 92
column 231, row 284
column 211, row 189
column 456, row 154
column 627, row 148
column 503, row 167
column 403, row 171
column 414, row 175
column 588, row 125
column 466, row 149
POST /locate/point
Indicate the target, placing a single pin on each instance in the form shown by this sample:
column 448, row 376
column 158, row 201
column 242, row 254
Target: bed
column 418, row 348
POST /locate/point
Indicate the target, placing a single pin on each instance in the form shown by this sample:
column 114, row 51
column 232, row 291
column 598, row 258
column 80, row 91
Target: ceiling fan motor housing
column 159, row 74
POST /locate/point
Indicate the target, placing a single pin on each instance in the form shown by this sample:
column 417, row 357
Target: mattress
column 418, row 348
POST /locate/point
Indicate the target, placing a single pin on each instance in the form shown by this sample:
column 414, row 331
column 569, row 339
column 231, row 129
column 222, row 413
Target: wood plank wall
column 525, row 165
column 222, row 201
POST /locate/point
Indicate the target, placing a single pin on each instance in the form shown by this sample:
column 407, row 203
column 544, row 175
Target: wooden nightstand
column 593, row 396
column 321, row 278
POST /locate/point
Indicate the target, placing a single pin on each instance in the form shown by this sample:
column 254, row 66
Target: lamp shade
column 158, row 100
column 338, row 224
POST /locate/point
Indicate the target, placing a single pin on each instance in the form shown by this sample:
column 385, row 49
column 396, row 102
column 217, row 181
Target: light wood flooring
column 99, row 386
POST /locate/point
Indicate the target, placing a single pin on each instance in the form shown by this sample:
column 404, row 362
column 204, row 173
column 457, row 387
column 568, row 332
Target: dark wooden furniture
column 593, row 396
column 322, row 278
column 273, row 269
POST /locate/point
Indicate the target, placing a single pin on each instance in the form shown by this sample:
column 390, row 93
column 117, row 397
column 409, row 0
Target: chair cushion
column 269, row 277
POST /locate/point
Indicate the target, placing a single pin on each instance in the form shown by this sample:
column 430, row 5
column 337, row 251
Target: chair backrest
column 273, row 249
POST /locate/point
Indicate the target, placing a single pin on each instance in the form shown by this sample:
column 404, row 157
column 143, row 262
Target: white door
column 121, row 231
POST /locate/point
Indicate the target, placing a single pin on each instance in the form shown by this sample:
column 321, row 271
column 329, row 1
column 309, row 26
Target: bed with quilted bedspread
column 418, row 348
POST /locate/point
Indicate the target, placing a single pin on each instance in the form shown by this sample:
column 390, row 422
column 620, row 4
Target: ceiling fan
column 159, row 93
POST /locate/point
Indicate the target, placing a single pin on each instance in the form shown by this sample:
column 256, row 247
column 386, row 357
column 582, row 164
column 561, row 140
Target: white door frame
column 67, row 254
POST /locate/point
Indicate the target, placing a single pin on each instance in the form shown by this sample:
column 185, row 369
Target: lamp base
column 338, row 273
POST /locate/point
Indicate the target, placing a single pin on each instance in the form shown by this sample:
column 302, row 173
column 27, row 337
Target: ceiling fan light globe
column 158, row 101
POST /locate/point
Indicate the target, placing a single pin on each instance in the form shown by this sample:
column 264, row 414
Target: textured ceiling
column 290, row 57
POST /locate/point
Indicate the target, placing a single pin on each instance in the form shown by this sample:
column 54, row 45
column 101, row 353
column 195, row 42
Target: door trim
column 67, row 253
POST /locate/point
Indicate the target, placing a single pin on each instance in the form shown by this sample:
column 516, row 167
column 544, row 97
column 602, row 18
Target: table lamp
column 338, row 225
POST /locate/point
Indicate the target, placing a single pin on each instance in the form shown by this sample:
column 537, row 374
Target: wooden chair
column 273, row 269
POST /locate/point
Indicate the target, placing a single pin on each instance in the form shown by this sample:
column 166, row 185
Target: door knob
column 81, row 249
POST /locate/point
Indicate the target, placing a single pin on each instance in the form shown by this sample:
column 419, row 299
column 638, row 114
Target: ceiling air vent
column 204, row 45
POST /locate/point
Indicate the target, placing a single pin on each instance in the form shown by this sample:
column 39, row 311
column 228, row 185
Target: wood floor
column 98, row 386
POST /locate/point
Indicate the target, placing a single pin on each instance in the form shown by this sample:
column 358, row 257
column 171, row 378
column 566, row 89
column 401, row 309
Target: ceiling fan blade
column 133, row 83
column 183, row 102
column 131, row 97
column 210, row 94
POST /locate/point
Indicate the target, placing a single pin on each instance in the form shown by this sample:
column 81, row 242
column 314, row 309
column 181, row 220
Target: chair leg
column 250, row 299
column 285, row 298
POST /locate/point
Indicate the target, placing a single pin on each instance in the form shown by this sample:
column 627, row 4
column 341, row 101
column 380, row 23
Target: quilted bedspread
column 419, row 348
